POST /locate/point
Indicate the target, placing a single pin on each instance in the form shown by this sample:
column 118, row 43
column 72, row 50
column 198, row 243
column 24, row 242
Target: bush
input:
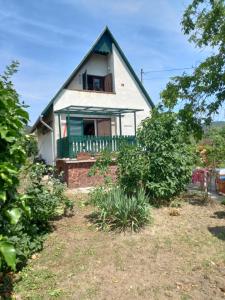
column 118, row 211
column 46, row 195
column 45, row 200
column 13, row 207
column 31, row 146
column 161, row 163
column 101, row 166
column 23, row 217
column 130, row 162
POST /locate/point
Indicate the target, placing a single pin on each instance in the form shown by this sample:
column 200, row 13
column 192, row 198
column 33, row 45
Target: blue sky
column 50, row 37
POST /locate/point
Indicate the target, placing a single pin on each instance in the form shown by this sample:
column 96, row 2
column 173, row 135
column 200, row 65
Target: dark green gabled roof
column 103, row 45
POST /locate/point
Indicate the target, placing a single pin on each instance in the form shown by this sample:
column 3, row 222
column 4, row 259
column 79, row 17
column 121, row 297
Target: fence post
column 120, row 124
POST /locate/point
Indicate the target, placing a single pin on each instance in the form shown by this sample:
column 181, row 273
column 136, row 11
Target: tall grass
column 116, row 210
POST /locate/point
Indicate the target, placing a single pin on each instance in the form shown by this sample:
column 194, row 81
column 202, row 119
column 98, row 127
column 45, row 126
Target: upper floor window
column 97, row 83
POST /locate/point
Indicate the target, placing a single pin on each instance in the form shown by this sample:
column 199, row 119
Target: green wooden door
column 76, row 126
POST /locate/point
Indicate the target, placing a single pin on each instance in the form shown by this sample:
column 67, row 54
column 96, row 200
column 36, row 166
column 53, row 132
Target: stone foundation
column 76, row 173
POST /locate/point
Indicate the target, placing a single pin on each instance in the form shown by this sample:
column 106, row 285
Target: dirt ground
column 175, row 257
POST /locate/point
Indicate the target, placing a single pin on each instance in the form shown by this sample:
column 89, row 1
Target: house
column 99, row 106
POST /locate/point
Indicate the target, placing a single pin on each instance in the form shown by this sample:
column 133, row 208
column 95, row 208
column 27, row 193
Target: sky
column 50, row 37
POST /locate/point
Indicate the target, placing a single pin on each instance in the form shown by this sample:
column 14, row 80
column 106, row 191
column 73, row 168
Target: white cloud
column 4, row 16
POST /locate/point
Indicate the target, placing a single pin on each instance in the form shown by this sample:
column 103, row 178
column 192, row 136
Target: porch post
column 135, row 123
column 120, row 124
column 68, row 133
column 59, row 120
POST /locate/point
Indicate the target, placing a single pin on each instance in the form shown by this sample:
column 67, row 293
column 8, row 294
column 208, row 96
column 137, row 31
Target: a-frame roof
column 102, row 45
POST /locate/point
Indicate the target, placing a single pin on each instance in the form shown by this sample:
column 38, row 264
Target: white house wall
column 45, row 147
column 127, row 95
column 96, row 65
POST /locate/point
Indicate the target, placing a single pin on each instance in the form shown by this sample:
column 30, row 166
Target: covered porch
column 89, row 129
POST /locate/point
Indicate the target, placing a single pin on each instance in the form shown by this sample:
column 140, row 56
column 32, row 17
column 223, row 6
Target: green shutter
column 76, row 126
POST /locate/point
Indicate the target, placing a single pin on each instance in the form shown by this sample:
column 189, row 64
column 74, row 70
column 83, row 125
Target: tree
column 162, row 162
column 13, row 118
column 211, row 148
column 201, row 93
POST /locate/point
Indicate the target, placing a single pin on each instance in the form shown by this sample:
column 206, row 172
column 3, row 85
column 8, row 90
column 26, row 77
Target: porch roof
column 96, row 110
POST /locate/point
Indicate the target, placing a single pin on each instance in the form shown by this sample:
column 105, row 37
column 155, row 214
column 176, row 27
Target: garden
column 145, row 235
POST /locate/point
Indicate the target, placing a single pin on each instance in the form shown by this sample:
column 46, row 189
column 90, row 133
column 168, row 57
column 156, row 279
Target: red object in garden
column 220, row 181
column 201, row 176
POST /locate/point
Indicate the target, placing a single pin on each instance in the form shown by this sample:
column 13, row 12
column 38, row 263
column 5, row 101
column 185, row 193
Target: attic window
column 95, row 83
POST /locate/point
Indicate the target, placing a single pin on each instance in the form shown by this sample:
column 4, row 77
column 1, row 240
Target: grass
column 117, row 211
column 176, row 257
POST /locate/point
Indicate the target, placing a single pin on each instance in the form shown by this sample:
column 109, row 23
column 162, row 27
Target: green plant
column 31, row 146
column 101, row 166
column 97, row 196
column 119, row 211
column 211, row 148
column 46, row 194
column 201, row 92
column 13, row 206
column 161, row 163
column 130, row 162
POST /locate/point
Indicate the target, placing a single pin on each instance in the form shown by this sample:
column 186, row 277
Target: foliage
column 97, row 196
column 119, row 211
column 13, row 118
column 162, row 162
column 101, row 166
column 22, row 216
column 211, row 148
column 46, row 194
column 130, row 163
column 46, row 200
column 31, row 146
column 203, row 91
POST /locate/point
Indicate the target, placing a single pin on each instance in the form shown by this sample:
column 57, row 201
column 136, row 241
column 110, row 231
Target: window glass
column 97, row 84
column 89, row 127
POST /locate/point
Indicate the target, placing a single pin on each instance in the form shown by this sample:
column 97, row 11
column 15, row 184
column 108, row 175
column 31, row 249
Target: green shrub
column 130, row 162
column 46, row 194
column 161, row 163
column 31, row 146
column 23, row 217
column 101, row 166
column 97, row 196
column 13, row 118
column 118, row 211
column 45, row 199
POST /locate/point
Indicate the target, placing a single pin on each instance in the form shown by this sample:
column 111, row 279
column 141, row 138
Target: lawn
column 175, row 257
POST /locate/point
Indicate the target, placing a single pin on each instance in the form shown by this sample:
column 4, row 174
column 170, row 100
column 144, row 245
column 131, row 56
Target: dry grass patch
column 181, row 257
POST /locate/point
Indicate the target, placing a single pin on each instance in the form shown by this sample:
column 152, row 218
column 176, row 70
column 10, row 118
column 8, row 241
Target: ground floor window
column 91, row 127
